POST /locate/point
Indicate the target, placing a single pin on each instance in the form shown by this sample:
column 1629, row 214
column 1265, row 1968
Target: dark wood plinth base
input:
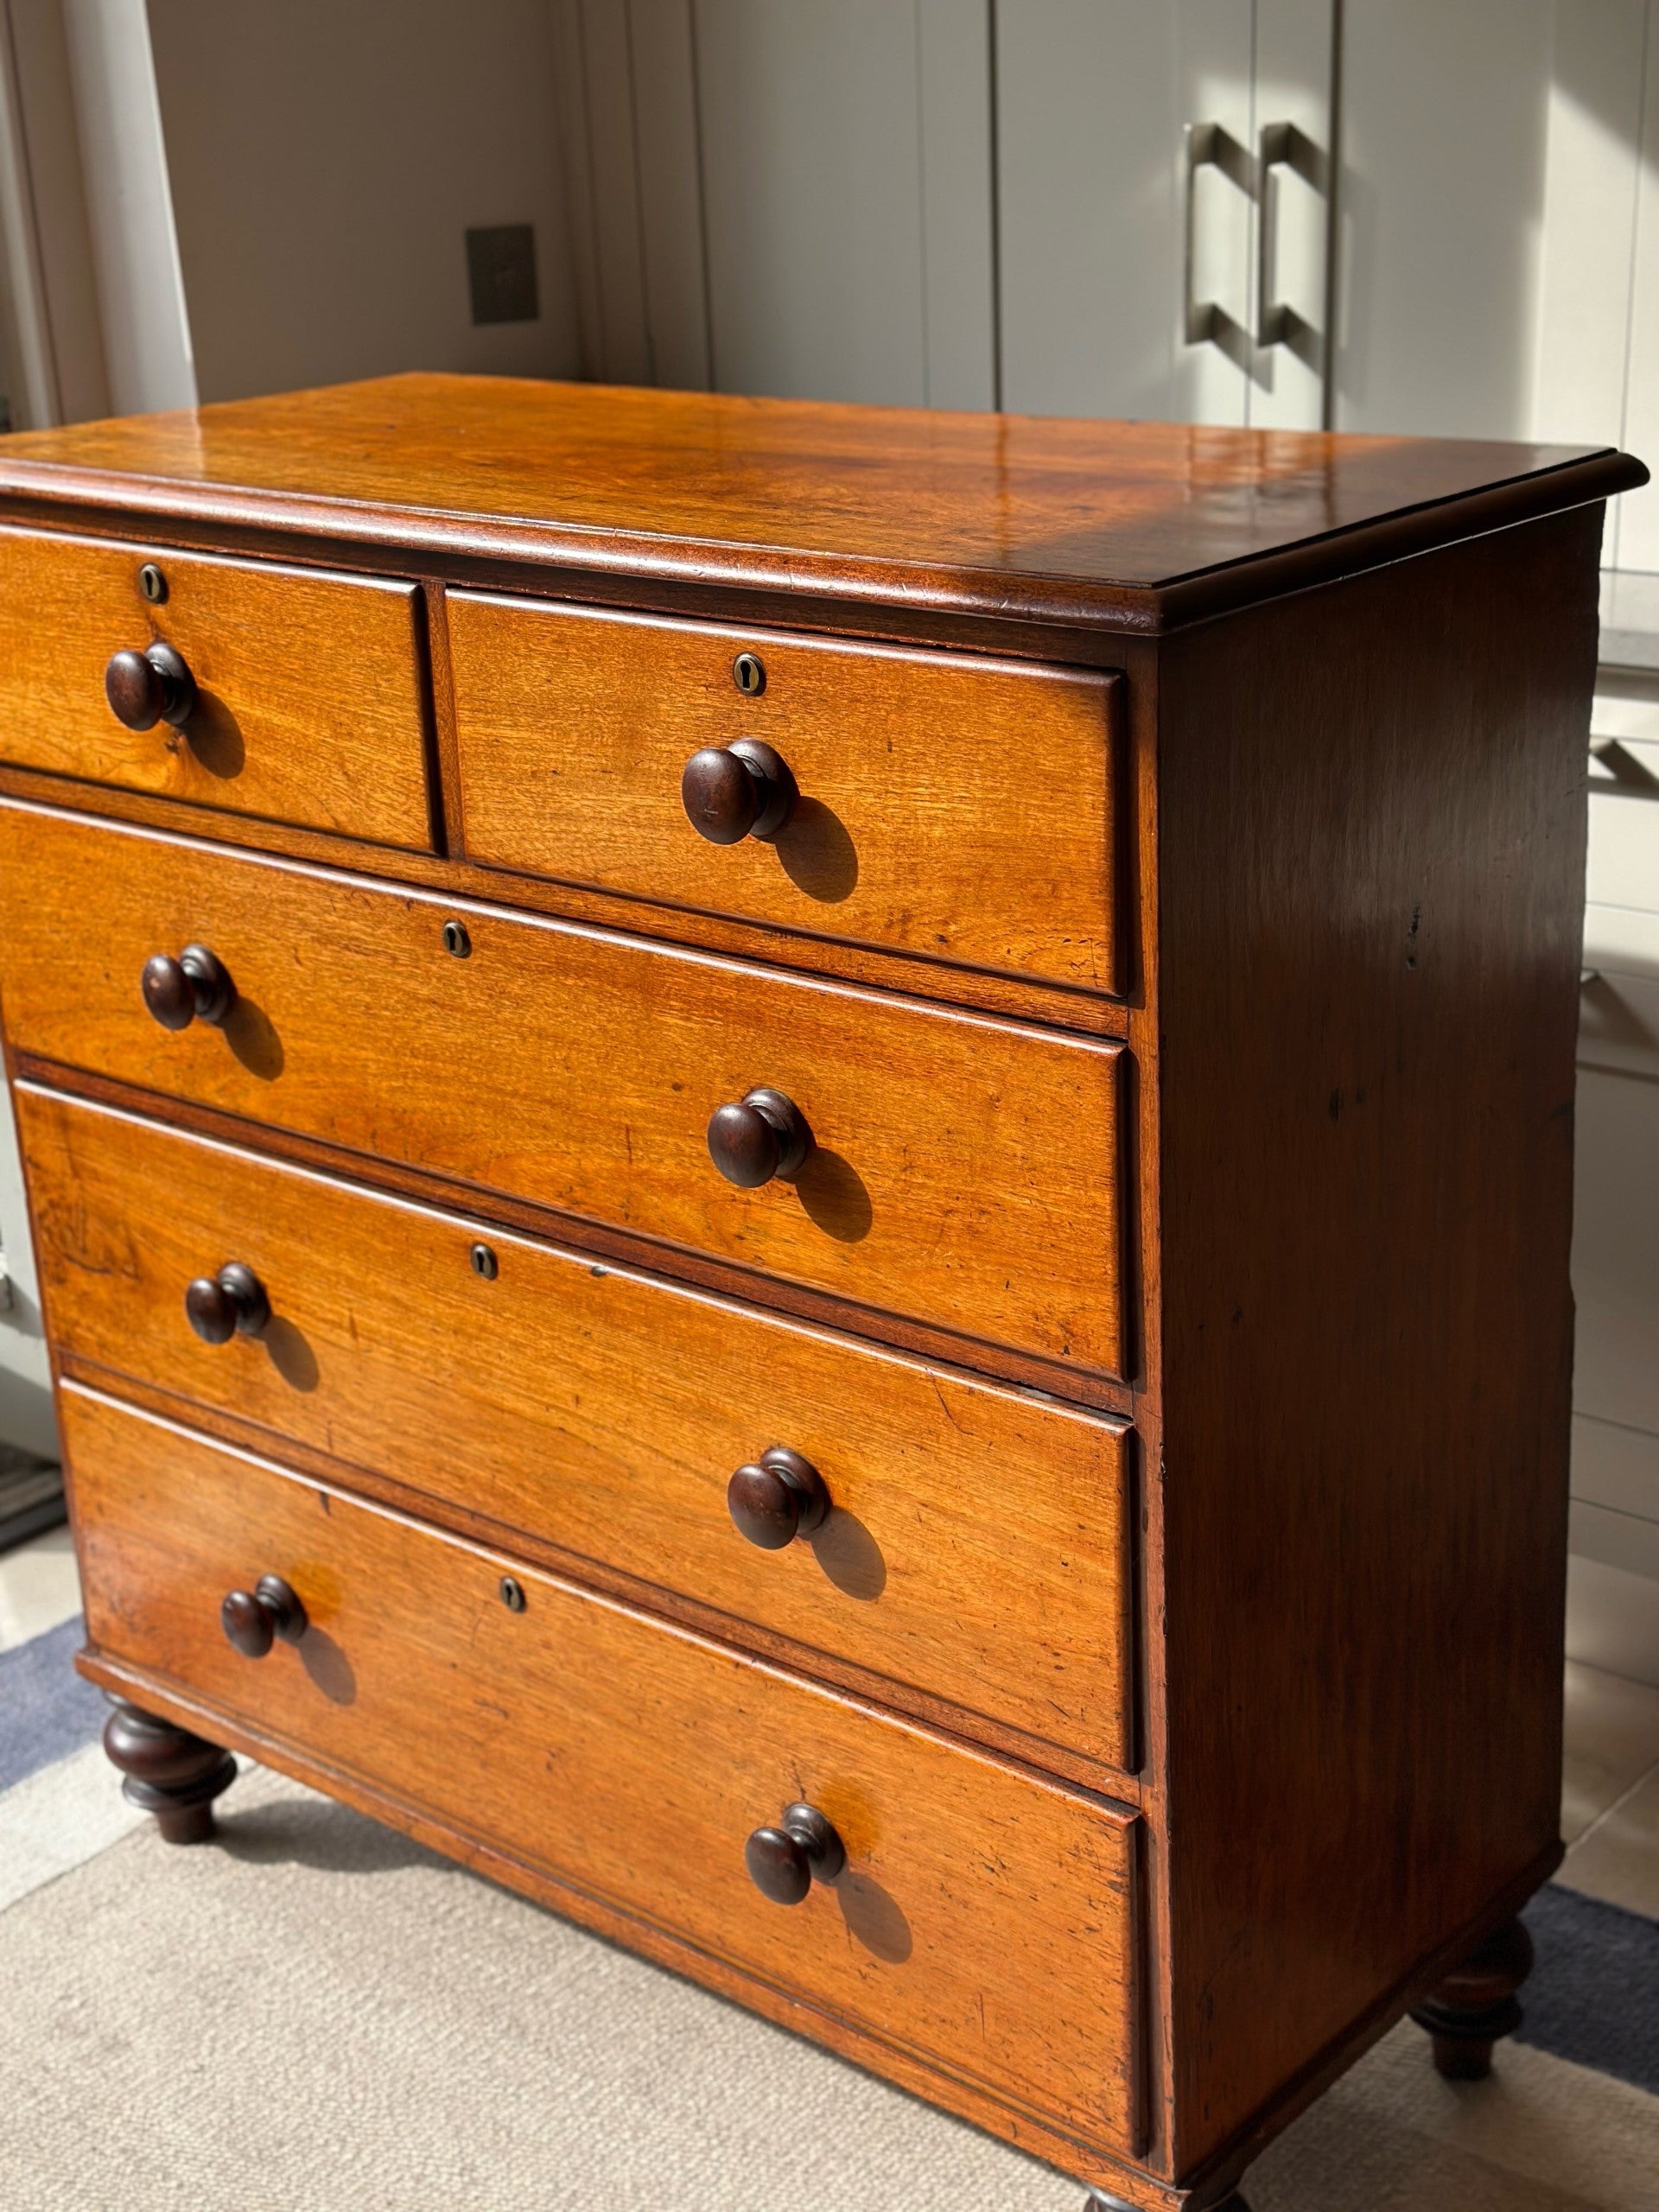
column 167, row 1772
column 1096, row 2202
column 1476, row 2005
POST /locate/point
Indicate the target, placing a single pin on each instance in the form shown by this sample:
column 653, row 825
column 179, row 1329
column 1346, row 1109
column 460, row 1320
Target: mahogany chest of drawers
column 806, row 1174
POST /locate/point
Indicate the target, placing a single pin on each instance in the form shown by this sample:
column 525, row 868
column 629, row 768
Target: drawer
column 974, row 1548
column 963, row 1170
column 951, row 808
column 309, row 704
column 630, row 1762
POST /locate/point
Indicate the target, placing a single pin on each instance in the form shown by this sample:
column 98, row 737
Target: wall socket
column 501, row 271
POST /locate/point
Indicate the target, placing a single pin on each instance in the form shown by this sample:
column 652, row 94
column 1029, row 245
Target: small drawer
column 951, row 808
column 631, row 1762
column 961, row 1171
column 304, row 701
column 973, row 1548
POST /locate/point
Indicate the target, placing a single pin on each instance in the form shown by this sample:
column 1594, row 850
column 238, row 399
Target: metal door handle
column 1282, row 145
column 1207, row 146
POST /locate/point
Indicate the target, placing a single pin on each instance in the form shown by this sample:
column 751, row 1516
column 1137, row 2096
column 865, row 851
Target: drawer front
column 309, row 705
column 984, row 1918
column 974, row 1548
column 963, row 1170
column 955, row 809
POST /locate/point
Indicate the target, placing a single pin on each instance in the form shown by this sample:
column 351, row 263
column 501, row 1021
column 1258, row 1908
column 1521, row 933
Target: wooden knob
column 764, row 1135
column 196, row 987
column 231, row 1303
column 151, row 687
column 783, row 1862
column 254, row 1618
column 780, row 1497
column 737, row 790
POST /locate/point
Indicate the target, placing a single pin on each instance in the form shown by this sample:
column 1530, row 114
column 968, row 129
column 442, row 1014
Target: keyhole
column 748, row 674
column 456, row 940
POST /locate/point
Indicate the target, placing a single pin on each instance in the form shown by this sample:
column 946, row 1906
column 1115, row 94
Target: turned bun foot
column 167, row 1772
column 1475, row 2005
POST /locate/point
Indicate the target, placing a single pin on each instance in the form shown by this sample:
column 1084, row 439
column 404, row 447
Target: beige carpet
column 319, row 2017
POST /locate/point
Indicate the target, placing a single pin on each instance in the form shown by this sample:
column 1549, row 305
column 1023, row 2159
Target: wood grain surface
column 964, row 1170
column 310, row 699
column 1141, row 525
column 573, row 730
column 1373, row 895
column 632, row 1761
column 977, row 1547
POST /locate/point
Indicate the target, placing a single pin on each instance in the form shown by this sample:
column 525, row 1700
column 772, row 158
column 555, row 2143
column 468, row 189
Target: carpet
column 317, row 2015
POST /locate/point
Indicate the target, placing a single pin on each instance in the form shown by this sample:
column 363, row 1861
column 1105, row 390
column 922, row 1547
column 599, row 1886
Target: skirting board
column 1612, row 1619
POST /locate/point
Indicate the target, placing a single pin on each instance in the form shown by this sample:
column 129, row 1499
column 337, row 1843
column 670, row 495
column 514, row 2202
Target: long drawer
column 575, row 728
column 963, row 1169
column 309, row 699
column 974, row 1548
column 631, row 1762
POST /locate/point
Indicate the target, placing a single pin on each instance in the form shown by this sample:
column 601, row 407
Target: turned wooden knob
column 196, row 987
column 780, row 1497
column 253, row 1619
column 765, row 1134
column 151, row 687
column 783, row 1862
column 231, row 1303
column 737, row 790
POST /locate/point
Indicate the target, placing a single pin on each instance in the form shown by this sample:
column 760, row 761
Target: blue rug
column 1592, row 1996
column 46, row 1709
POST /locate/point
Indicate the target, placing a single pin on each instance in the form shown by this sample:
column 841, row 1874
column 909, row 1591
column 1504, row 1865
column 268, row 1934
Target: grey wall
column 328, row 156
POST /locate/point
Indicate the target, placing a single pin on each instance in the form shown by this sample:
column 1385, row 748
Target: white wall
column 26, row 1415
column 54, row 332
column 328, row 156
column 124, row 178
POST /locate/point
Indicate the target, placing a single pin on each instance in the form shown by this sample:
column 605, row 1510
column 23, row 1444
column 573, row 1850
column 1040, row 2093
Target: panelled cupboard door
column 1489, row 195
column 1637, row 542
column 1295, row 183
column 984, row 1918
column 845, row 175
column 1163, row 181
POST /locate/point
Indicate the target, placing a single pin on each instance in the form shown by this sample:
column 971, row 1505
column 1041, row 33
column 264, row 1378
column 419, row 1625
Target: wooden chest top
column 1139, row 525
